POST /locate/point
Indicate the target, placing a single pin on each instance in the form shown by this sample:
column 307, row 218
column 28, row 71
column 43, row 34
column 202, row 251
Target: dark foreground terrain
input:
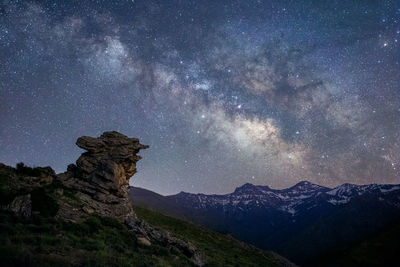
column 103, row 241
column 84, row 217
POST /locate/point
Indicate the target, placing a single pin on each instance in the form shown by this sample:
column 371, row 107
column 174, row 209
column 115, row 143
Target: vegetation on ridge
column 42, row 239
column 99, row 241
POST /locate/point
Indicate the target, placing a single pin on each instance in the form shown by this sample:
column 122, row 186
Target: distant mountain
column 303, row 222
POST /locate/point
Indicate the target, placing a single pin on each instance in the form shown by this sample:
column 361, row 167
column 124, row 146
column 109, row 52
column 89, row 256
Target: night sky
column 224, row 92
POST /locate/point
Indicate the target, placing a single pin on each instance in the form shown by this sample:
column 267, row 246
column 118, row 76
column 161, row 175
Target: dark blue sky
column 224, row 92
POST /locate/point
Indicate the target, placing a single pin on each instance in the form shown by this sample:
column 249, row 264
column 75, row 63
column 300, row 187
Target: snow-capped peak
column 344, row 193
column 302, row 196
column 250, row 188
column 305, row 186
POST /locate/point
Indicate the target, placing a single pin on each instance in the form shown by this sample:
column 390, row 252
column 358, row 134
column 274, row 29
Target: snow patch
column 394, row 188
column 340, row 201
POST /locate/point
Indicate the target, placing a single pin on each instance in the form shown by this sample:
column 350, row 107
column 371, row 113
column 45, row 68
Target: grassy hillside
column 219, row 250
column 102, row 241
column 99, row 241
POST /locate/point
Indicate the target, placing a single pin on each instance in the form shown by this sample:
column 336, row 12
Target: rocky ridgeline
column 98, row 183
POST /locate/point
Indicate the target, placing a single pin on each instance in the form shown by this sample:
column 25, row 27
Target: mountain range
column 307, row 223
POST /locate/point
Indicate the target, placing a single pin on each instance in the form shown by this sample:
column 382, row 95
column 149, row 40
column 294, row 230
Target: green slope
column 102, row 241
column 219, row 249
column 99, row 241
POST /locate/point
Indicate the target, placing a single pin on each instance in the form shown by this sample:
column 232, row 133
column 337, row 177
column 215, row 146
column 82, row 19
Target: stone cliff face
column 98, row 183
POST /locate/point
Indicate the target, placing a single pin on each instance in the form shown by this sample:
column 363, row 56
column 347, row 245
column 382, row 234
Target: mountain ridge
column 301, row 183
column 283, row 219
column 289, row 198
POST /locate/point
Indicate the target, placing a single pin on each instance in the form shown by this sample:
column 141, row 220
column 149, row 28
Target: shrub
column 44, row 203
column 25, row 170
column 6, row 195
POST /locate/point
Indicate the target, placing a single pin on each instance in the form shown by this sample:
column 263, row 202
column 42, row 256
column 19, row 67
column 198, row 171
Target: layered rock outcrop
column 101, row 178
column 97, row 184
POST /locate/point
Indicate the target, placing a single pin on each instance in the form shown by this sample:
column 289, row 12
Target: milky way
column 224, row 92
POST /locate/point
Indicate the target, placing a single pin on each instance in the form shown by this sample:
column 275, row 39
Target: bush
column 111, row 222
column 44, row 203
column 94, row 224
column 6, row 195
column 25, row 170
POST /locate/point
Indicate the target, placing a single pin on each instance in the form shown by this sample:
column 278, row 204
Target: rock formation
column 98, row 183
column 101, row 178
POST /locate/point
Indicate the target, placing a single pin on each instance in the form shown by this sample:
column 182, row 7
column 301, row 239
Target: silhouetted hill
column 150, row 199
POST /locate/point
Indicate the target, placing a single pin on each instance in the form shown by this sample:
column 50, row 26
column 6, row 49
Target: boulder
column 21, row 205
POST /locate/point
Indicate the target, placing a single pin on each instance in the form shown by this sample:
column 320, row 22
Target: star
column 232, row 87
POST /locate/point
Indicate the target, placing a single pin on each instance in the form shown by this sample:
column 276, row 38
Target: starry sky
column 224, row 92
